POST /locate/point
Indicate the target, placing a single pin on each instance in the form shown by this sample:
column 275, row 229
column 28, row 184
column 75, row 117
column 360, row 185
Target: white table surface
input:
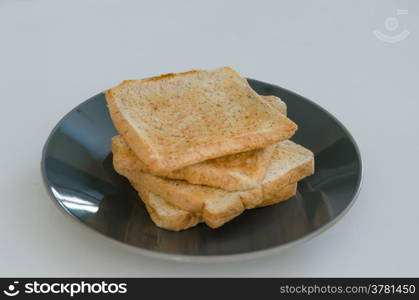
column 56, row 54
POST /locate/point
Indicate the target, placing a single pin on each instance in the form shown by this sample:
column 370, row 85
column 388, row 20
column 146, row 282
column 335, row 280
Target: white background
column 56, row 54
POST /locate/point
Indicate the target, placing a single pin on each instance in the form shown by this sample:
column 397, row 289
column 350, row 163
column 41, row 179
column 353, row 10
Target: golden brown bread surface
column 234, row 172
column 289, row 164
column 181, row 119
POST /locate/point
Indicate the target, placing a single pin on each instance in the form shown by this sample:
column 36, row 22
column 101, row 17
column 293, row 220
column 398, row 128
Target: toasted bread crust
column 169, row 75
column 124, row 128
column 270, row 189
column 214, row 217
column 183, row 196
column 287, row 192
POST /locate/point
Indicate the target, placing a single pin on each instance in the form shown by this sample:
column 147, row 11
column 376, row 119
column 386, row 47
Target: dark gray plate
column 78, row 173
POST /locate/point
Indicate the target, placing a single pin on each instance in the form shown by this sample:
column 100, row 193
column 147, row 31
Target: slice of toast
column 168, row 216
column 290, row 163
column 177, row 120
column 234, row 172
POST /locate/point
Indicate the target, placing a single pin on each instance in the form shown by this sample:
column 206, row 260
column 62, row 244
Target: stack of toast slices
column 203, row 146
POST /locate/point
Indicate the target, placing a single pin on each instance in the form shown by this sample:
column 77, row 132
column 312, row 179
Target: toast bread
column 290, row 163
column 234, row 172
column 177, row 120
